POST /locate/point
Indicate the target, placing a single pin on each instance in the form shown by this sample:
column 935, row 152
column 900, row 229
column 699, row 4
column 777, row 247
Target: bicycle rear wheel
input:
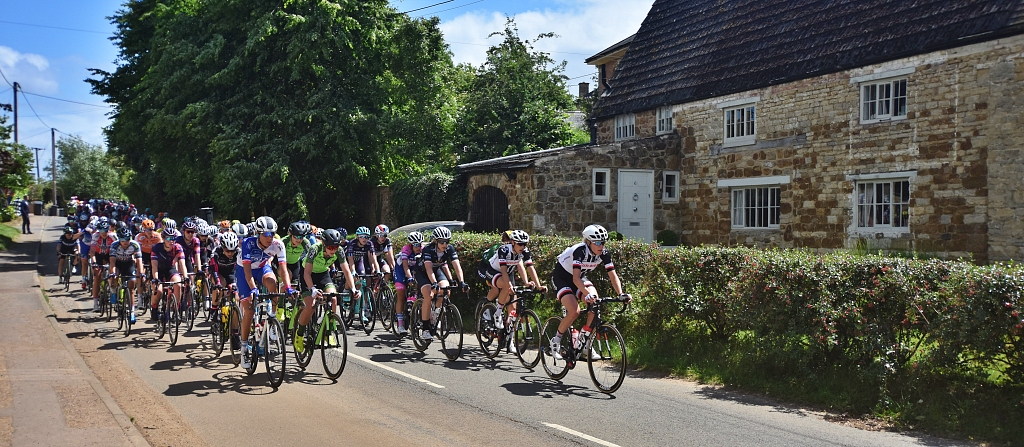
column 347, row 307
column 450, row 331
column 334, row 346
column 526, row 338
column 554, row 368
column 416, row 327
column 161, row 318
column 486, row 333
column 217, row 336
column 231, row 329
column 253, row 349
column 608, row 368
column 188, row 313
column 386, row 307
column 275, row 356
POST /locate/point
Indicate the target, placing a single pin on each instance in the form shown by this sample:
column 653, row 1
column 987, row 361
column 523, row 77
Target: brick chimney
column 584, row 89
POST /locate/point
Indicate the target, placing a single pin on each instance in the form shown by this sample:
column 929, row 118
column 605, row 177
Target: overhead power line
column 454, row 7
column 55, row 27
column 67, row 100
column 34, row 112
column 426, row 7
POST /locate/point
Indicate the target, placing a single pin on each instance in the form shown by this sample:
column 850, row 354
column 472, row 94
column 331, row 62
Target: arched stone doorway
column 490, row 210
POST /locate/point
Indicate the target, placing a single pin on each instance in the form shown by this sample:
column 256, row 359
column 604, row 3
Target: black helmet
column 332, row 237
column 68, row 229
column 299, row 229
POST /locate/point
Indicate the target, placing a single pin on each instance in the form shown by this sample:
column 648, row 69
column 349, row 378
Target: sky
column 48, row 46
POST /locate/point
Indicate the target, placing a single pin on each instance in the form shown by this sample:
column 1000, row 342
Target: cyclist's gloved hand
column 433, row 286
column 410, row 283
column 254, row 294
column 313, row 291
column 626, row 297
column 465, row 287
column 590, row 298
column 155, row 281
column 290, row 291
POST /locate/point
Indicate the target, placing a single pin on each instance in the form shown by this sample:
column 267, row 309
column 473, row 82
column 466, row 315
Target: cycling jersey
column 167, row 259
column 206, row 249
column 507, row 260
column 381, row 247
column 437, row 259
column 191, row 248
column 223, row 262
column 258, row 257
column 579, row 256
column 85, row 242
column 67, row 240
column 294, row 254
column 147, row 242
column 360, row 255
column 102, row 244
column 318, row 257
column 126, row 254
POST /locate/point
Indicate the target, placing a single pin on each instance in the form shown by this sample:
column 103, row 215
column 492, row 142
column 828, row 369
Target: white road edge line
column 388, row 368
column 582, row 435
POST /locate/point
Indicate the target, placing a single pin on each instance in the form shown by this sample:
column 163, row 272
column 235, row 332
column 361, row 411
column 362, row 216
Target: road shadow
column 547, row 388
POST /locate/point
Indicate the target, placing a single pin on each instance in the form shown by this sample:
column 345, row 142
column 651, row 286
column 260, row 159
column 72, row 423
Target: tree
column 15, row 163
column 290, row 109
column 516, row 102
column 87, row 170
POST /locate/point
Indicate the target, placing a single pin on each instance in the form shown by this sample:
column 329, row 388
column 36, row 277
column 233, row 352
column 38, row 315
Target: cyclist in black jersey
column 581, row 259
column 429, row 276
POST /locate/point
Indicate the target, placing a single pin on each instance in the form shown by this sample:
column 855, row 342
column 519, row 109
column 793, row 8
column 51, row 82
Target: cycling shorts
column 257, row 275
column 421, row 276
column 295, row 271
column 102, row 259
column 565, row 286
column 321, row 281
column 126, row 268
column 490, row 275
column 165, row 275
column 67, row 249
column 399, row 276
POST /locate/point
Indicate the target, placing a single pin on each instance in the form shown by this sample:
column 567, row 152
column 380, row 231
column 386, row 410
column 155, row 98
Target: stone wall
column 961, row 141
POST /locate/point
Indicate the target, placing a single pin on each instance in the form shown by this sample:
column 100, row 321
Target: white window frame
column 746, row 107
column 625, row 127
column 664, row 115
column 606, row 197
column 773, row 202
column 883, row 100
column 670, row 189
column 878, row 199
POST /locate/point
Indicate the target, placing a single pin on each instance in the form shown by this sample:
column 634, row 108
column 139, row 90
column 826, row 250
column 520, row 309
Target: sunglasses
column 332, row 247
column 363, row 236
column 441, row 241
column 521, row 244
column 268, row 233
column 190, row 232
column 599, row 244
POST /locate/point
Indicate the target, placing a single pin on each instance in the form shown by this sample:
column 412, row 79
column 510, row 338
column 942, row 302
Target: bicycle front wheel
column 174, row 322
column 231, row 329
column 607, row 359
column 555, row 365
column 486, row 333
column 122, row 316
column 366, row 312
column 527, row 338
column 125, row 299
column 303, row 357
column 188, row 314
column 386, row 308
column 217, row 336
column 450, row 332
column 161, row 322
column 275, row 356
column 416, row 327
column 334, row 346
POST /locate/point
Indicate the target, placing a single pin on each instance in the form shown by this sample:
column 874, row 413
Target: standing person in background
column 23, row 207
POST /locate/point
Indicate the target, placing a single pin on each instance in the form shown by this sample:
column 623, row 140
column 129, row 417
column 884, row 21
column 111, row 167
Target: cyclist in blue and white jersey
column 255, row 261
column 127, row 261
column 382, row 246
column 430, row 274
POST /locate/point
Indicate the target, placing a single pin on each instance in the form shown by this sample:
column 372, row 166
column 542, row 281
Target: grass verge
column 8, row 234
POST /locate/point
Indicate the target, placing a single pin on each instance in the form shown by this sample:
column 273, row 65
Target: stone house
column 880, row 124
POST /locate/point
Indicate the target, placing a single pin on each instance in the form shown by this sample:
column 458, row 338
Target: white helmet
column 520, row 236
column 442, row 233
column 415, row 237
column 229, row 240
column 240, row 229
column 265, row 224
column 595, row 233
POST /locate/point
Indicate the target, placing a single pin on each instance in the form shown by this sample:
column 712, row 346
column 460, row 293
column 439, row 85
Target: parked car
column 427, row 227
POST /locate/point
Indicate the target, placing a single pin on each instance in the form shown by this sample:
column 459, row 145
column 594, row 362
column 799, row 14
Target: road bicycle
column 145, row 290
column 366, row 306
column 266, row 339
column 604, row 348
column 106, row 308
column 65, row 272
column 392, row 312
column 167, row 312
column 326, row 330
column 225, row 323
column 189, row 299
column 446, row 322
column 123, row 303
column 521, row 328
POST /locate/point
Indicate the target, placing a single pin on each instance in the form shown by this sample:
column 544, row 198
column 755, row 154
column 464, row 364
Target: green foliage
column 429, row 197
column 16, row 162
column 668, row 238
column 516, row 102
column 8, row 235
column 87, row 170
column 8, row 213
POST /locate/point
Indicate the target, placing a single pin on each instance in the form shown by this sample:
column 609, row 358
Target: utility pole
column 53, row 165
column 37, row 149
column 16, row 87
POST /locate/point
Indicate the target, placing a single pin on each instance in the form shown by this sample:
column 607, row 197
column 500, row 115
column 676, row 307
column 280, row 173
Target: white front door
column 636, row 204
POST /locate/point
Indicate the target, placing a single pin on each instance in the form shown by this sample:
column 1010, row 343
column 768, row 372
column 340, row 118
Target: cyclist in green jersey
column 317, row 279
column 299, row 242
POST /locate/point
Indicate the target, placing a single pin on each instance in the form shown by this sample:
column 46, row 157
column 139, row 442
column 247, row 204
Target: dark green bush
column 667, row 238
column 7, row 213
column 428, row 198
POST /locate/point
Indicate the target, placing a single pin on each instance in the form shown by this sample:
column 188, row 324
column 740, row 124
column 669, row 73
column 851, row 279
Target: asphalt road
column 389, row 394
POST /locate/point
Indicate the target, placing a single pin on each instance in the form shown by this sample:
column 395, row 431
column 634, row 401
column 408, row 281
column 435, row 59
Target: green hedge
column 428, row 198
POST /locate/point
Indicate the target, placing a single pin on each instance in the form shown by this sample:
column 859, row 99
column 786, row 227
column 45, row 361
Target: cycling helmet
column 124, row 233
column 299, row 229
column 169, row 233
column 137, row 220
column 148, row 224
column 170, row 223
column 265, row 224
column 318, row 233
column 93, row 220
column 71, row 218
column 224, row 224
column 381, row 230
column 186, row 220
column 211, row 230
column 229, row 240
column 200, row 221
column 362, row 231
column 251, row 228
column 104, row 220
column 343, row 231
column 190, row 226
column 415, row 237
column 442, row 233
column 595, row 233
column 520, row 236
column 102, row 226
column 332, row 237
column 68, row 229
column 240, row 230
column 83, row 216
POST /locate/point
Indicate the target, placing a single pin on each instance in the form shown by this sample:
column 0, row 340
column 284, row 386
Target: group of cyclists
column 115, row 239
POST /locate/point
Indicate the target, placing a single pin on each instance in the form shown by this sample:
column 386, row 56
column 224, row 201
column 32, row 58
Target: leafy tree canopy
column 87, row 170
column 15, row 163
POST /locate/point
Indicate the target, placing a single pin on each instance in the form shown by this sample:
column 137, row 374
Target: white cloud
column 31, row 71
column 584, row 28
